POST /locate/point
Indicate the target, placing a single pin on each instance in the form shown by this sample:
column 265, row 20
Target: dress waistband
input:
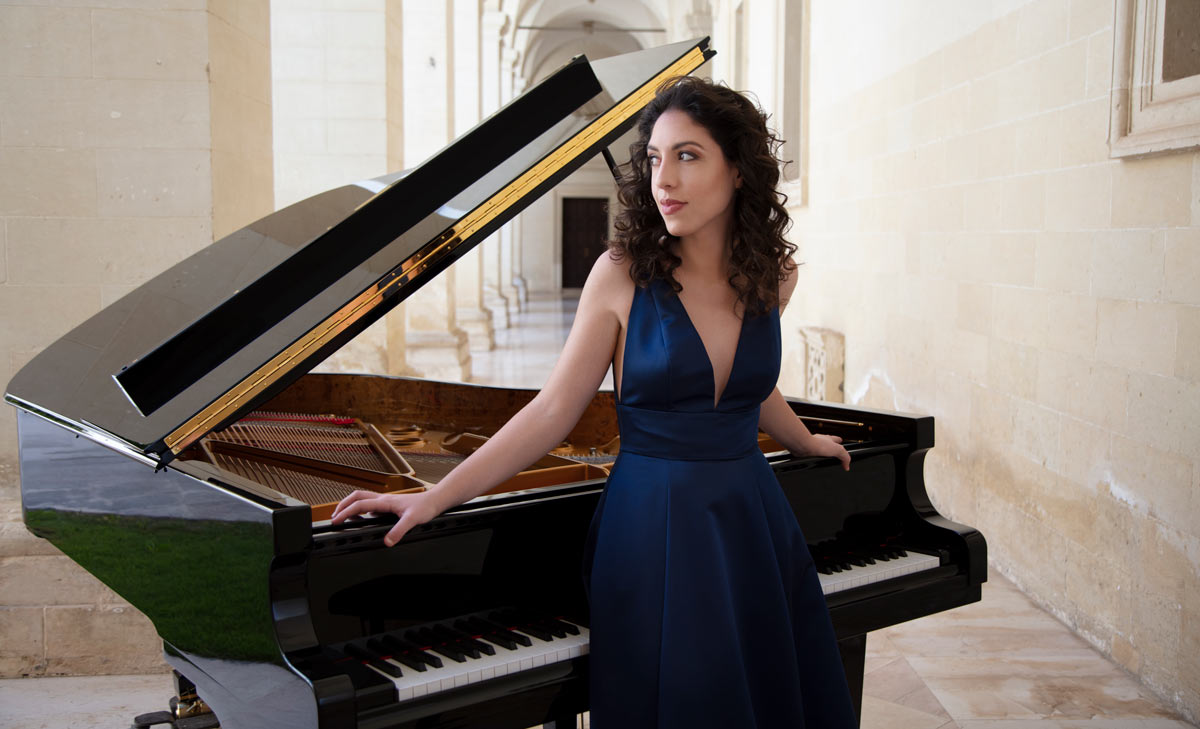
column 699, row 436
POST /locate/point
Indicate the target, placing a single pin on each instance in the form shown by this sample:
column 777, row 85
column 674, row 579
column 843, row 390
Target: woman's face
column 690, row 178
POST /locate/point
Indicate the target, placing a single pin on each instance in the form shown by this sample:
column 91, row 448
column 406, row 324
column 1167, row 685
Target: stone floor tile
column 880, row 714
column 897, row 683
column 999, row 687
column 86, row 702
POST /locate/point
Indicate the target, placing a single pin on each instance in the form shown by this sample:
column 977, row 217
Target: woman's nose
column 665, row 175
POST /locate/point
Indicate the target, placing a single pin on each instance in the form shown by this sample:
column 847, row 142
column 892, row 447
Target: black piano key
column 569, row 627
column 519, row 622
column 409, row 654
column 455, row 641
column 467, row 638
column 378, row 647
column 411, row 650
column 503, row 630
column 535, row 631
column 494, row 633
column 373, row 659
column 549, row 624
column 426, row 637
column 423, row 645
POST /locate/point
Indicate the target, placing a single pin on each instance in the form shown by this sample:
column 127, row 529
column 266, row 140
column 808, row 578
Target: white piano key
column 882, row 570
column 415, row 684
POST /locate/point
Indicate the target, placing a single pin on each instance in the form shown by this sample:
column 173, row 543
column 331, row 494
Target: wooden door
column 584, row 232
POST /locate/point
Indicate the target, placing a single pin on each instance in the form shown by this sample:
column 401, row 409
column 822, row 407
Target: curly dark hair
column 759, row 254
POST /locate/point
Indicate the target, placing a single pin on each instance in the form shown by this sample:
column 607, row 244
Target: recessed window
column 1156, row 77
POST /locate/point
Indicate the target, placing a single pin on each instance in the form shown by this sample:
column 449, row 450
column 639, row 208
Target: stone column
column 504, row 277
column 492, row 27
column 333, row 89
column 436, row 345
column 471, row 315
column 395, row 327
column 520, row 285
column 696, row 24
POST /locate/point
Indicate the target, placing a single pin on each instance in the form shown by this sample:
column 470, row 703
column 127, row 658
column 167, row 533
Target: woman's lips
column 669, row 207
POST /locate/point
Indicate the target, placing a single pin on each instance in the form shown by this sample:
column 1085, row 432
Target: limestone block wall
column 131, row 133
column 990, row 264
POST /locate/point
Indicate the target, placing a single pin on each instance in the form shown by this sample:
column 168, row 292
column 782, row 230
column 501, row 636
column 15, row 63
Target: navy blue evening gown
column 706, row 610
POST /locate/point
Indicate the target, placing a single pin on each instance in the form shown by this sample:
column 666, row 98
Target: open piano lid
column 215, row 335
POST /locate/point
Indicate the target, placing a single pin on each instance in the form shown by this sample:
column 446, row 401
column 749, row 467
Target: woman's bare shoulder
column 610, row 274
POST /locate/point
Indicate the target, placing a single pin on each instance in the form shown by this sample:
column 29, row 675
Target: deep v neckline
column 712, row 371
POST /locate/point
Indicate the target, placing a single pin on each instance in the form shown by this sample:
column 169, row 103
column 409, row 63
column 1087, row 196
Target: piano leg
column 854, row 653
column 567, row 721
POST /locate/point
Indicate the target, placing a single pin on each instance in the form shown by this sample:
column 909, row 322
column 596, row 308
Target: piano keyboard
column 469, row 650
column 475, row 648
column 880, row 570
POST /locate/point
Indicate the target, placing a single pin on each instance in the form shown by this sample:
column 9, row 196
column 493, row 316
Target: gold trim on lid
column 476, row 220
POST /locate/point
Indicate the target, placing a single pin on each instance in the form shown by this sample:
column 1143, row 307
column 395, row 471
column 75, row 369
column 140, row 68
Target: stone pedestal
column 440, row 355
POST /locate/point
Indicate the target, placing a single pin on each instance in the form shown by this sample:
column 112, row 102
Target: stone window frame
column 1148, row 115
column 792, row 92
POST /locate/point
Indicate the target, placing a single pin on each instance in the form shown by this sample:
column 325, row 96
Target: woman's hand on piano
column 830, row 446
column 413, row 509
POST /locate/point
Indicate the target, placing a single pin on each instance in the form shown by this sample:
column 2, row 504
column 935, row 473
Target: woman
column 706, row 610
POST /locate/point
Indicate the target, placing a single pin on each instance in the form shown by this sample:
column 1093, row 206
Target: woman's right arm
column 536, row 428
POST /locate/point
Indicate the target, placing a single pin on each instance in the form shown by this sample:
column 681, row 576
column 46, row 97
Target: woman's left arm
column 777, row 419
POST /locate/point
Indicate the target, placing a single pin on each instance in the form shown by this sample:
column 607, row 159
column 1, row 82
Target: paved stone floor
column 1002, row 663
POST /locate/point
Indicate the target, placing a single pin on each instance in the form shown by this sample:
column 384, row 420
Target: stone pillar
column 520, row 285
column 472, row 316
column 504, row 277
column 334, row 91
column 436, row 345
column 395, row 328
column 696, row 24
column 492, row 27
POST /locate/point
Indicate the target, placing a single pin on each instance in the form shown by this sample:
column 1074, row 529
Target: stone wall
column 990, row 265
column 130, row 134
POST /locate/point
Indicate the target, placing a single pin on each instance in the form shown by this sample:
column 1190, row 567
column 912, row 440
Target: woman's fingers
column 353, row 497
column 397, row 532
column 361, row 506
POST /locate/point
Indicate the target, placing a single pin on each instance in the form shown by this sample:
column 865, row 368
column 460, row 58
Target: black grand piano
column 177, row 447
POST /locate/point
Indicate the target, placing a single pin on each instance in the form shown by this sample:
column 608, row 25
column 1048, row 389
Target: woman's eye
column 686, row 156
column 653, row 159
